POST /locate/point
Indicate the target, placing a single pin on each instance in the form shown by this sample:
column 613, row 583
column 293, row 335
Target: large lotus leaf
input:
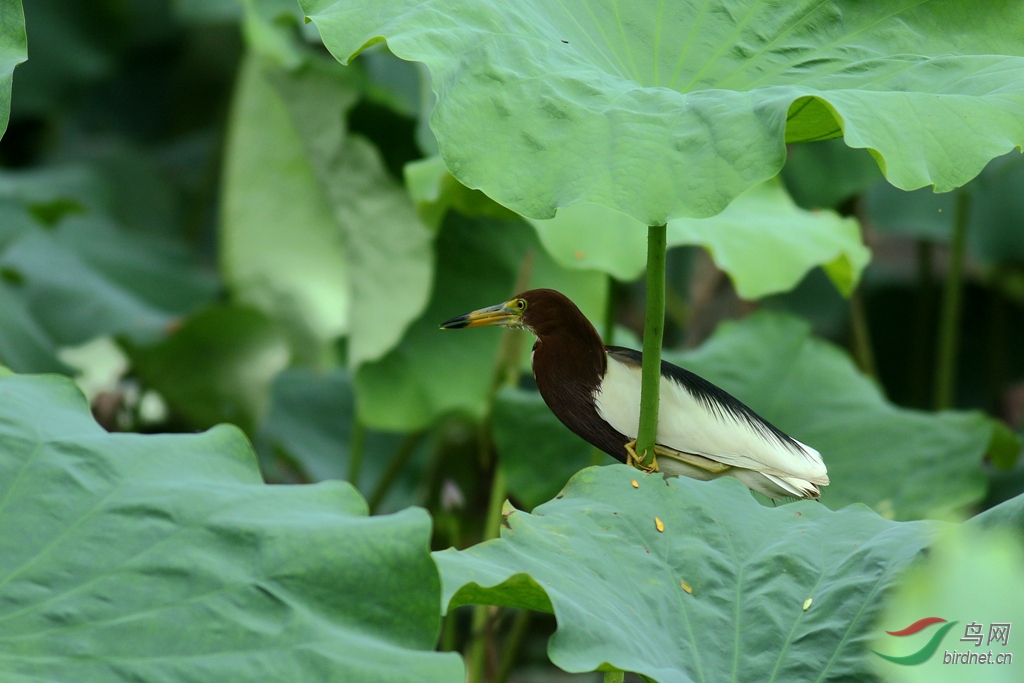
column 1005, row 485
column 904, row 463
column 315, row 232
column 159, row 558
column 969, row 578
column 311, row 420
column 79, row 276
column 217, row 367
column 1008, row 515
column 72, row 301
column 395, row 83
column 686, row 581
column 269, row 29
column 389, row 250
column 158, row 270
column 436, row 192
column 24, row 345
column 74, row 188
column 281, row 250
column 762, row 240
column 15, row 221
column 13, row 51
column 433, row 372
column 80, row 273
column 142, row 190
column 669, row 109
column 403, row 87
column 89, row 277
column 115, row 179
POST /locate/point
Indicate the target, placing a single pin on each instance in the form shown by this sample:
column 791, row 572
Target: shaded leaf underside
column 762, row 240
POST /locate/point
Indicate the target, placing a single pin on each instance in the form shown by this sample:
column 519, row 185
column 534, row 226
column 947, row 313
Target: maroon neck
column 569, row 362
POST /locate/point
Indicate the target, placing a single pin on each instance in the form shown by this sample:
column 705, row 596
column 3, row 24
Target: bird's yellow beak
column 506, row 315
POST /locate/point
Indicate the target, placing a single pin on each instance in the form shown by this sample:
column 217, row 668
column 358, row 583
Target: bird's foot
column 633, row 460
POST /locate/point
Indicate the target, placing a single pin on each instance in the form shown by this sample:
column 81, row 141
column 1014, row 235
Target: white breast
column 686, row 425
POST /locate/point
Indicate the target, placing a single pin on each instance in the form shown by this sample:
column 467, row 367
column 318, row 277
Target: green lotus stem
column 512, row 643
column 952, row 298
column 654, row 330
column 861, row 334
column 506, row 371
column 921, row 347
column 398, row 462
column 477, row 645
column 614, row 676
column 447, row 643
column 357, row 446
column 998, row 333
column 492, row 529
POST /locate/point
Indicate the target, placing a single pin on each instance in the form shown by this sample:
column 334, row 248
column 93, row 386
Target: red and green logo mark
column 925, row 653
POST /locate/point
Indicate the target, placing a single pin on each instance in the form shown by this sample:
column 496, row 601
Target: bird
column 703, row 432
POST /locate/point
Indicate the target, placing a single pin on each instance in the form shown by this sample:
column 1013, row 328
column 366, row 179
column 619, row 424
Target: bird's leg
column 633, row 460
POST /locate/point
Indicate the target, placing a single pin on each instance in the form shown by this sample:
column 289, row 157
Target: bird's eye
column 521, row 304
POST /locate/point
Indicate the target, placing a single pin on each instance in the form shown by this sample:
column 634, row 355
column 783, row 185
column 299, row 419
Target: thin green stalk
column 654, row 330
column 861, row 334
column 952, row 298
column 512, row 643
column 998, row 353
column 492, row 526
column 477, row 650
column 357, row 446
column 921, row 346
column 614, row 676
column 506, row 371
column 448, row 632
column 398, row 462
column 475, row 655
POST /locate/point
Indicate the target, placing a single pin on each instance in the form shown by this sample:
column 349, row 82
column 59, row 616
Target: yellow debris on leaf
column 686, row 587
column 636, row 484
column 807, row 603
column 658, row 523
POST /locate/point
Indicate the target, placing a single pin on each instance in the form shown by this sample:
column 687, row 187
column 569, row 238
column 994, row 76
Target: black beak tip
column 455, row 323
